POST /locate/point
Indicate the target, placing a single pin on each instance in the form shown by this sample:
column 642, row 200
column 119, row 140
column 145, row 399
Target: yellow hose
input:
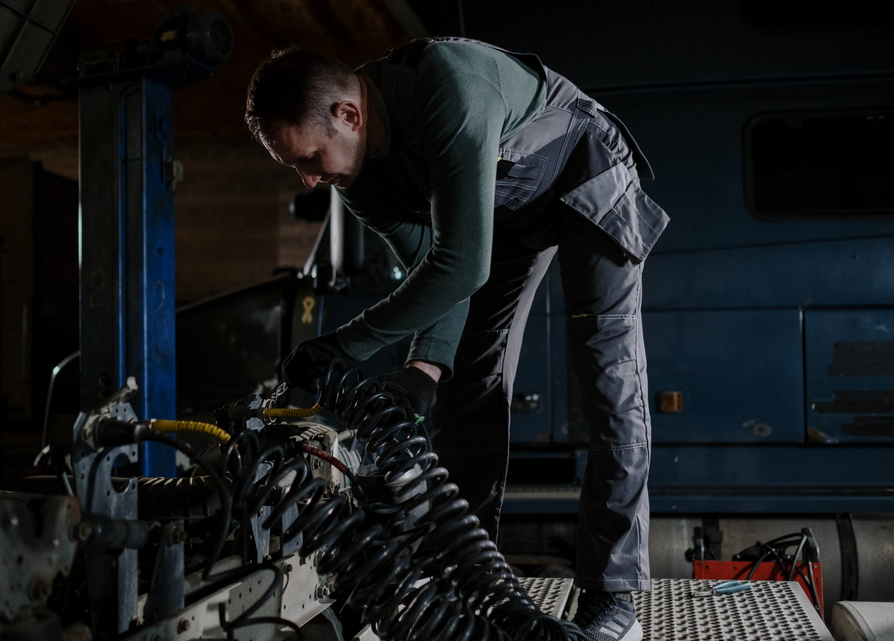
column 293, row 412
column 190, row 426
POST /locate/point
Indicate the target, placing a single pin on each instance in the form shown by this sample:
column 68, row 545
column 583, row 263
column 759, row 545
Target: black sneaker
column 603, row 616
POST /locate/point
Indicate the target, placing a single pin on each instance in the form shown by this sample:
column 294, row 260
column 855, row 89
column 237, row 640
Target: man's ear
column 349, row 112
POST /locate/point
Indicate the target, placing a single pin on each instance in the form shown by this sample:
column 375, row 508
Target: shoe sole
column 635, row 633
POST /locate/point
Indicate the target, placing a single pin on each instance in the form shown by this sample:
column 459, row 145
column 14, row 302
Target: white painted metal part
column 863, row 621
column 301, row 597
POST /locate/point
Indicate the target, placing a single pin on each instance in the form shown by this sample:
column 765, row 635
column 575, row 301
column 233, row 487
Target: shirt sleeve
column 460, row 117
column 411, row 241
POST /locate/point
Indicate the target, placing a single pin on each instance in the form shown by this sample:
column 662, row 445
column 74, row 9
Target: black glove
column 310, row 360
column 412, row 387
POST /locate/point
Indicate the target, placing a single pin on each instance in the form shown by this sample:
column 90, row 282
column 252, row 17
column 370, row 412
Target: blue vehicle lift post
column 127, row 251
column 127, row 215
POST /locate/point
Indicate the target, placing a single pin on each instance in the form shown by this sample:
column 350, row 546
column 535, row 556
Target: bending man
column 477, row 166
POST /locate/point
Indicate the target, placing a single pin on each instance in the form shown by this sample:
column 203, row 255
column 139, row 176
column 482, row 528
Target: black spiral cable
column 220, row 485
column 776, row 548
column 418, row 528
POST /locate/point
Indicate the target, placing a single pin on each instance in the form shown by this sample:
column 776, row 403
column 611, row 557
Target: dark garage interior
column 286, row 385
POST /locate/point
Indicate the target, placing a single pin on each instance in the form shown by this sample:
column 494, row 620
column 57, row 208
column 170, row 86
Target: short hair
column 294, row 86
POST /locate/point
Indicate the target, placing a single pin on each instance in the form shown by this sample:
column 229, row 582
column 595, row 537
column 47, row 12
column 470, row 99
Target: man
column 477, row 166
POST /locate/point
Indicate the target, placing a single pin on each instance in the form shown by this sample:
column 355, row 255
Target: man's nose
column 310, row 180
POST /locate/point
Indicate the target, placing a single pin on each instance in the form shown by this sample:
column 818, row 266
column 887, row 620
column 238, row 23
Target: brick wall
column 233, row 222
column 233, row 225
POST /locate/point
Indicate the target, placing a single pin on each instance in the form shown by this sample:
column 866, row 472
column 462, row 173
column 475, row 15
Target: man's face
column 315, row 155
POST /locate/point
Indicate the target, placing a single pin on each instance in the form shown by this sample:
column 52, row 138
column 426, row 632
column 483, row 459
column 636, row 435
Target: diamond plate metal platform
column 550, row 595
column 769, row 611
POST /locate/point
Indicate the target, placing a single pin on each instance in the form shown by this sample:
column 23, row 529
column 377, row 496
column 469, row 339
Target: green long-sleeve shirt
column 467, row 99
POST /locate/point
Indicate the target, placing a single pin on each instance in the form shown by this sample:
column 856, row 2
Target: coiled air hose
column 420, row 529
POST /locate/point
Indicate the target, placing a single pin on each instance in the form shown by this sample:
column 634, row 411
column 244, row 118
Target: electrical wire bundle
column 787, row 563
column 417, row 528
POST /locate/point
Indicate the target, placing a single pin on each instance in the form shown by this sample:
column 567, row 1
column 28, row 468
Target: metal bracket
column 260, row 536
column 93, row 482
column 166, row 591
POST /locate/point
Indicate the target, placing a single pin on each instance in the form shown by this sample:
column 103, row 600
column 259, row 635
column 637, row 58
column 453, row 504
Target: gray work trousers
column 602, row 290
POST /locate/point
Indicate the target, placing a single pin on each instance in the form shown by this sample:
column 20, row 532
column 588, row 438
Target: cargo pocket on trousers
column 614, row 201
column 520, row 179
column 635, row 222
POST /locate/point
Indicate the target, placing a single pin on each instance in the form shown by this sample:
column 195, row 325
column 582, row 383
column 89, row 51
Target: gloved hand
column 412, row 387
column 310, row 360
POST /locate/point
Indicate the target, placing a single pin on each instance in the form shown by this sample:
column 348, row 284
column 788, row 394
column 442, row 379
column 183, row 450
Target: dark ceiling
column 43, row 114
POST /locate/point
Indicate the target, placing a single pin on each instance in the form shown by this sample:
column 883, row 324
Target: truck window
column 820, row 164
